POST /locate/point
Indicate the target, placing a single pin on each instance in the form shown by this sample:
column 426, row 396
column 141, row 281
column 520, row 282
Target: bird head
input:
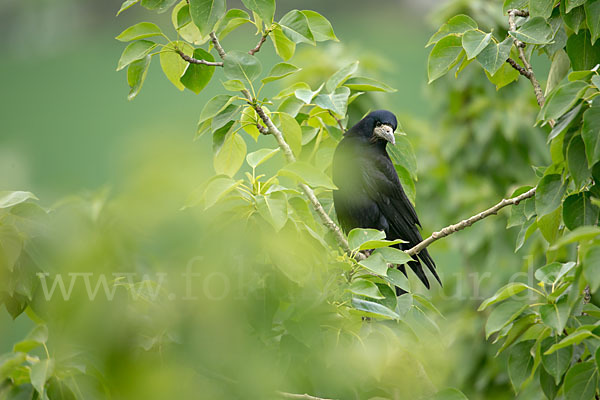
column 377, row 125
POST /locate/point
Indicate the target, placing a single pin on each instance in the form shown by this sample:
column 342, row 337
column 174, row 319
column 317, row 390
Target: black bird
column 369, row 192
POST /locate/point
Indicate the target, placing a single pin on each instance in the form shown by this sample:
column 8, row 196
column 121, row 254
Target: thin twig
column 263, row 38
column 217, row 45
column 299, row 396
column 193, row 60
column 516, row 66
column 289, row 156
column 469, row 221
column 337, row 120
column 539, row 95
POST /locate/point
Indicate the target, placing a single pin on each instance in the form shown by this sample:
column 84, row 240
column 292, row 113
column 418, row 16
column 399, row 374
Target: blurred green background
column 68, row 130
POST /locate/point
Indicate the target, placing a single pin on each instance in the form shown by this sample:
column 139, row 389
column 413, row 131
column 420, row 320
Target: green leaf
column 444, row 56
column 40, row 373
column 581, row 381
column 292, row 133
column 197, row 76
column 182, row 21
column 520, row 364
column 556, row 363
column 591, row 133
column 376, row 264
column 319, row 26
column 12, row 198
column 308, row 174
column 535, row 31
column 564, row 122
column 541, row 8
column 402, row 154
column 450, row 394
column 513, row 4
column 358, row 236
column 503, row 293
column 503, row 315
column 136, row 75
column 158, row 5
column 591, row 268
column 505, row 75
column 393, row 256
column 295, row 26
column 284, row 47
column 230, row 156
column 397, row 278
column 216, row 189
column 215, row 106
column 340, row 76
column 558, row 70
column 494, row 55
column 571, row 4
column 35, row 338
column 549, row 224
column 11, row 246
column 264, row 8
column 126, row 4
column 367, row 85
column 596, row 81
column 592, row 15
column 552, row 273
column 583, row 54
column 374, row 309
column 206, row 14
column 241, row 65
column 336, row 101
column 248, row 121
column 456, row 25
column 555, row 315
column 568, row 342
column 376, row 244
column 10, row 361
column 139, row 31
column 233, row 19
column 274, row 209
column 549, row 194
column 474, row 42
column 135, row 51
column 233, row 85
column 578, row 210
column 172, row 64
column 578, row 166
column 580, row 234
column 260, row 156
column 363, row 287
column 280, row 71
column 562, row 99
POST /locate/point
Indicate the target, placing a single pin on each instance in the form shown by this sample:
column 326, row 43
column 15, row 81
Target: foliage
column 552, row 334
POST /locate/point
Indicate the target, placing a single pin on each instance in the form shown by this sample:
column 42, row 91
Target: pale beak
column 385, row 132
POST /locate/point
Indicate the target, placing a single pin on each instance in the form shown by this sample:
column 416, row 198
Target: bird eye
column 378, row 123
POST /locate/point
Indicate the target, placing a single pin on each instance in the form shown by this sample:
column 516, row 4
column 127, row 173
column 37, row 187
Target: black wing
column 381, row 183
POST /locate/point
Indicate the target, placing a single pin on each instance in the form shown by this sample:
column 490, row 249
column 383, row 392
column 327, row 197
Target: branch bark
column 469, row 221
column 305, row 396
column 193, row 60
column 539, row 94
column 263, row 38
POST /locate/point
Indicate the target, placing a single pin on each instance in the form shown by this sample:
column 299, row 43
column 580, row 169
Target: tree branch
column 337, row 120
column 520, row 47
column 217, row 45
column 193, row 60
column 469, row 221
column 289, row 156
column 299, row 396
column 263, row 38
